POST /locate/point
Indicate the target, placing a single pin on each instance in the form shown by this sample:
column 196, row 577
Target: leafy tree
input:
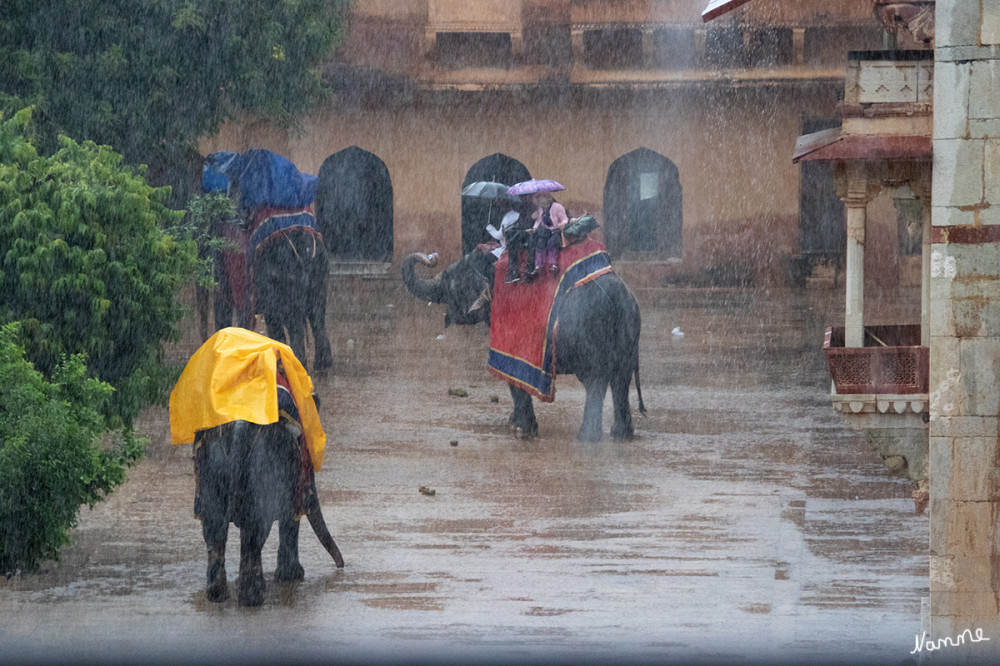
column 151, row 77
column 86, row 264
column 51, row 461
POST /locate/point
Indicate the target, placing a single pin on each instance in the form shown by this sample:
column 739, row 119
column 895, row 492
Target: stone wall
column 965, row 327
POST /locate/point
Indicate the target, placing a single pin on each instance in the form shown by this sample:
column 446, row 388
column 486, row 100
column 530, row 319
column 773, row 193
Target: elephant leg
column 622, row 428
column 523, row 416
column 289, row 568
column 251, row 584
column 275, row 329
column 216, row 589
column 317, row 322
column 297, row 337
column 212, row 481
column 591, row 430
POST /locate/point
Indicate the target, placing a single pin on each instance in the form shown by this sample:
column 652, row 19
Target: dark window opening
column 643, row 211
column 613, row 48
column 770, row 47
column 354, row 207
column 674, row 48
column 548, row 45
column 829, row 46
column 724, row 47
column 458, row 50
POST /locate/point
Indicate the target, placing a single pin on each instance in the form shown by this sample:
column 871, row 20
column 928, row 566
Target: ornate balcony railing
column 891, row 362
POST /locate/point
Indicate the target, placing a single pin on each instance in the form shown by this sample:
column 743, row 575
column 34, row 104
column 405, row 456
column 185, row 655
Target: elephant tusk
column 481, row 301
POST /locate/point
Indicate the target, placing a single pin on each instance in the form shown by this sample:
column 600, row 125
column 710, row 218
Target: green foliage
column 207, row 215
column 85, row 263
column 51, row 462
column 151, row 77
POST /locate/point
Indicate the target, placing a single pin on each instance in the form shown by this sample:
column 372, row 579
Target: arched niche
column 643, row 206
column 354, row 206
column 478, row 212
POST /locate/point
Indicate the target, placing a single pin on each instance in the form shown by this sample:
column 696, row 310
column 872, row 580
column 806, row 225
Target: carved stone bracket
column 915, row 17
column 857, row 183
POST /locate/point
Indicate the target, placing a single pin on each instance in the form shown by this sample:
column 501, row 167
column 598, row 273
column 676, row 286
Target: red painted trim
column 965, row 235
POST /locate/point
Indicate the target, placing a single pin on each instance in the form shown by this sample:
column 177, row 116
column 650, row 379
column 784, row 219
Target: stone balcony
column 886, row 376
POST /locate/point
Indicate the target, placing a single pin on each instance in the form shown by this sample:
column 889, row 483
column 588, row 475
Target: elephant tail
column 318, row 523
column 638, row 388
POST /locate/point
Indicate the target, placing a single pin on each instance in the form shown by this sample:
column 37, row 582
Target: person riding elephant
column 515, row 234
column 596, row 338
column 550, row 217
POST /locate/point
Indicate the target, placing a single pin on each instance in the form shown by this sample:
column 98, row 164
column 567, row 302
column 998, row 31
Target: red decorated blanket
column 525, row 316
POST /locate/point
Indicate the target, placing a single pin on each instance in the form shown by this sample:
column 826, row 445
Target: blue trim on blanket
column 540, row 379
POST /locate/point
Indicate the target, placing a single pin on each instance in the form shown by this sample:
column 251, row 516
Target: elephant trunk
column 423, row 288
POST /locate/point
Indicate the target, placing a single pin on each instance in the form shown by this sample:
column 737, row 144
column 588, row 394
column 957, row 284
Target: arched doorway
column 642, row 206
column 354, row 206
column 476, row 212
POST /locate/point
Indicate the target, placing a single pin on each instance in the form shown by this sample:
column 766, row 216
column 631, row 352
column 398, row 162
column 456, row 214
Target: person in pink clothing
column 550, row 218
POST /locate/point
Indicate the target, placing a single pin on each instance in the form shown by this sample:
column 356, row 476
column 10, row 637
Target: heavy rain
column 753, row 502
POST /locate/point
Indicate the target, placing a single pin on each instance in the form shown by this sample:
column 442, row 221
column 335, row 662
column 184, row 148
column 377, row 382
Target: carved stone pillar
column 576, row 40
column 855, row 188
column 798, row 46
column 699, row 47
column 648, row 46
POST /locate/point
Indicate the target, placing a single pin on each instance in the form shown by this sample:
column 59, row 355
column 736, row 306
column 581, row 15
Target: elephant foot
column 322, row 364
column 217, row 590
column 251, row 588
column 622, row 434
column 289, row 573
column 589, row 435
column 525, row 433
column 522, row 430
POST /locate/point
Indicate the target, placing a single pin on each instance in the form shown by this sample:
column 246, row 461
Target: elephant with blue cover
column 282, row 272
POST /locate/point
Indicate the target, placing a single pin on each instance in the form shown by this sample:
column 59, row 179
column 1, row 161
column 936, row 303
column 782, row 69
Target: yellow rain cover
column 233, row 377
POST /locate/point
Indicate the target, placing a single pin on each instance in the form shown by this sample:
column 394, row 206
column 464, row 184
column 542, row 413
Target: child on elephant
column 550, row 218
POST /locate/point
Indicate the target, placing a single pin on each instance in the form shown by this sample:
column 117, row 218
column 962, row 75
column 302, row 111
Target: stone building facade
column 675, row 133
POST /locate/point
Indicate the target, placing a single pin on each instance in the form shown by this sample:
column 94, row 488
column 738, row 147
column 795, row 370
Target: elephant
column 289, row 282
column 248, row 474
column 279, row 238
column 597, row 338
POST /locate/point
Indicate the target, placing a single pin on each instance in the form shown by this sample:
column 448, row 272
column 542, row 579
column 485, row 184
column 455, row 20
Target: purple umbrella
column 535, row 186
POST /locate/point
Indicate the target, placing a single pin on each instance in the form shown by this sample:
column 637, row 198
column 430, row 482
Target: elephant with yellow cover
column 247, row 404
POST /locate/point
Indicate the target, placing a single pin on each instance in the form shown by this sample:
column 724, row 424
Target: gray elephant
column 597, row 337
column 252, row 475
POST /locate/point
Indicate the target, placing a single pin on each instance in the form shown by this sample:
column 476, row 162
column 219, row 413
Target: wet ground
column 745, row 522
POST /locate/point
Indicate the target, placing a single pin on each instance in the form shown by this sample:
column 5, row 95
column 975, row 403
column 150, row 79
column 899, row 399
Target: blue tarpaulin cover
column 265, row 178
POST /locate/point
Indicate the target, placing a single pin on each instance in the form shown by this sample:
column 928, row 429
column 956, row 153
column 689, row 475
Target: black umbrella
column 491, row 191
column 488, row 189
